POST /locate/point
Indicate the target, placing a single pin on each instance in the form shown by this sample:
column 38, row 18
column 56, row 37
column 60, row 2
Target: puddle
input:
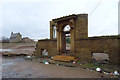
column 6, row 64
column 6, row 49
column 20, row 59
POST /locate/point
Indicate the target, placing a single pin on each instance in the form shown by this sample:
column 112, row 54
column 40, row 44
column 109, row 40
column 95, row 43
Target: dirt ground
column 18, row 67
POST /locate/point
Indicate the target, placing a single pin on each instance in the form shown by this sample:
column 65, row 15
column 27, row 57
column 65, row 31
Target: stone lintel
column 65, row 18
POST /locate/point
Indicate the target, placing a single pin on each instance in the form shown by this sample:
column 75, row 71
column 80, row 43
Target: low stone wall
column 85, row 47
column 50, row 45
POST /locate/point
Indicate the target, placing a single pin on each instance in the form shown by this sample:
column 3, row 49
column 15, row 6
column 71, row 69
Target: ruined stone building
column 81, row 46
column 27, row 40
column 15, row 37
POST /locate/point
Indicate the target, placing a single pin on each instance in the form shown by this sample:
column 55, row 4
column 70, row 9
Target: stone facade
column 50, row 45
column 85, row 48
column 15, row 37
column 81, row 46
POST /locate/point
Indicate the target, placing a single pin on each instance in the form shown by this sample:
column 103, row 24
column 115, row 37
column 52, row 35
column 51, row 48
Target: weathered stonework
column 81, row 45
column 50, row 45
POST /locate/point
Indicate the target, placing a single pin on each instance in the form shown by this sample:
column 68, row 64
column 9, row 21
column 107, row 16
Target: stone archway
column 60, row 23
column 67, row 37
column 78, row 30
column 62, row 38
column 66, row 31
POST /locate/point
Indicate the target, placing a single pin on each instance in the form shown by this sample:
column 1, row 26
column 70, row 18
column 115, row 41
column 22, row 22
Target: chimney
column 11, row 33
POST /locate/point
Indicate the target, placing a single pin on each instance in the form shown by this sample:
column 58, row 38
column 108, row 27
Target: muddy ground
column 18, row 67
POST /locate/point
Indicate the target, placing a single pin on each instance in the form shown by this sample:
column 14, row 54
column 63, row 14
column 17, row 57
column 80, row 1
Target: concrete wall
column 50, row 45
column 85, row 47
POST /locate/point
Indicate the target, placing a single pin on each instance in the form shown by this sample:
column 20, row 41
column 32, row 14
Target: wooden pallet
column 63, row 58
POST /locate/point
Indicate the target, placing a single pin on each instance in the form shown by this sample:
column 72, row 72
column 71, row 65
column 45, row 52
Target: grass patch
column 104, row 67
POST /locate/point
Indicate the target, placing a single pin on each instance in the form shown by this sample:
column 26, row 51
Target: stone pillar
column 63, row 41
column 72, row 40
column 58, row 41
column 51, row 30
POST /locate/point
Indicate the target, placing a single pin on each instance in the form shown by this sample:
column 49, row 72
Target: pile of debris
column 70, row 61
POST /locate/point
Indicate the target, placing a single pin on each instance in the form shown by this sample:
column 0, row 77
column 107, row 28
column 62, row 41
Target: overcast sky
column 31, row 17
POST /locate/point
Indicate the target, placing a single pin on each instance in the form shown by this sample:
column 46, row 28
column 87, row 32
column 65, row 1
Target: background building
column 15, row 37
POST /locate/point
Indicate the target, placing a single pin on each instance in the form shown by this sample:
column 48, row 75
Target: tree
column 67, row 40
column 5, row 40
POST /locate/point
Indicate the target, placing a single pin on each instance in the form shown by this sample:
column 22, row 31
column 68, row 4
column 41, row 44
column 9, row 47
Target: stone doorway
column 64, row 35
column 66, row 39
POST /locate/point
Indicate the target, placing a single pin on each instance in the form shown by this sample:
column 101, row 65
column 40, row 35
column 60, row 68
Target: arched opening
column 66, row 28
column 66, row 39
column 54, row 31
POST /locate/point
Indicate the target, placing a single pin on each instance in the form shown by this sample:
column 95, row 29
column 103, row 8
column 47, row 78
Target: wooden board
column 63, row 58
